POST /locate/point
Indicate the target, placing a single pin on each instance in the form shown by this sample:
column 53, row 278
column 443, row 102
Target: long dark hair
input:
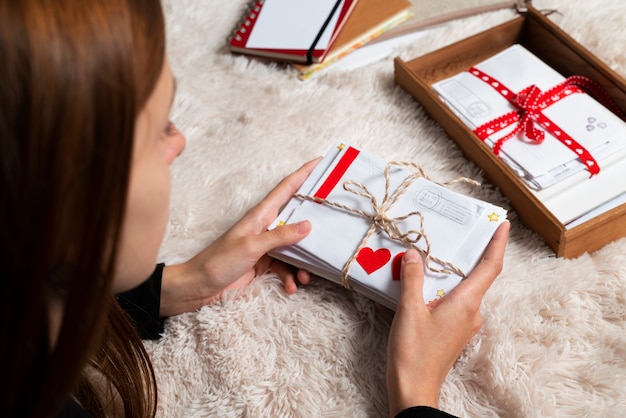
column 73, row 77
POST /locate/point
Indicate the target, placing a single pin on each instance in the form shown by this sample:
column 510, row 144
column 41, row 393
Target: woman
column 85, row 93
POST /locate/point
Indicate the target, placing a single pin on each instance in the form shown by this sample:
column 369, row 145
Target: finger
column 276, row 198
column 412, row 279
column 304, row 277
column 290, row 284
column 285, row 273
column 483, row 275
column 280, row 236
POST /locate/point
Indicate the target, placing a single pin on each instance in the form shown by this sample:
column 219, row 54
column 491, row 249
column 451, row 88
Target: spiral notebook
column 290, row 30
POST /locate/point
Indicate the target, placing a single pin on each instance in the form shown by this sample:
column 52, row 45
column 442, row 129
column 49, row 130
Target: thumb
column 412, row 278
column 283, row 235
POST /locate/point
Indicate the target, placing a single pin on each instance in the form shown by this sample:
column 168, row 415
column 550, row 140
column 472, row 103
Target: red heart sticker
column 395, row 266
column 372, row 260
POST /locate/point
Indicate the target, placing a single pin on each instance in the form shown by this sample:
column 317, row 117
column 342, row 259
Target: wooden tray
column 547, row 41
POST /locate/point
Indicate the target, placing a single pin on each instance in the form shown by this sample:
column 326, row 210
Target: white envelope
column 597, row 129
column 458, row 227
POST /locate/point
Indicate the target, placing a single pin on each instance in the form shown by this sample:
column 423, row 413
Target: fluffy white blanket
column 553, row 343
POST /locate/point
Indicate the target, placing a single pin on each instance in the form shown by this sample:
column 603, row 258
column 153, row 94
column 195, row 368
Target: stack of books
column 313, row 34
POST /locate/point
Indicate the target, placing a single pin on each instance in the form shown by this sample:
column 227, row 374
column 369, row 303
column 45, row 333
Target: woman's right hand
column 426, row 340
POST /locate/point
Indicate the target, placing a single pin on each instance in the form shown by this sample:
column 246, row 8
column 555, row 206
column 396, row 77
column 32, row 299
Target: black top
column 142, row 304
column 423, row 412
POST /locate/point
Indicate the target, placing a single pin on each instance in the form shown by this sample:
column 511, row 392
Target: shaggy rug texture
column 553, row 343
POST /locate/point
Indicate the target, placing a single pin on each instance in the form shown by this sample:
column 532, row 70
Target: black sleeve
column 423, row 412
column 142, row 305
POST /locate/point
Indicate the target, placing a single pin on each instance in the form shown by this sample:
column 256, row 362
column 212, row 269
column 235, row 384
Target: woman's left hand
column 238, row 256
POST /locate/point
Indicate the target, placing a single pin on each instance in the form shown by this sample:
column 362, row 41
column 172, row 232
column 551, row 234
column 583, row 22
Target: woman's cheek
column 144, row 225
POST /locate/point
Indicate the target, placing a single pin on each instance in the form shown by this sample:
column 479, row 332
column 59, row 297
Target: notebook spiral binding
column 242, row 29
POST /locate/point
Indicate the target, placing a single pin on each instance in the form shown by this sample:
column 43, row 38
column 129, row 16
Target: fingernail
column 303, row 227
column 411, row 256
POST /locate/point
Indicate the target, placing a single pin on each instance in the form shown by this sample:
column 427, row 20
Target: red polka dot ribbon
column 529, row 104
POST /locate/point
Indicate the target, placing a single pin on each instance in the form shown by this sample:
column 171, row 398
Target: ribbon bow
column 382, row 222
column 527, row 102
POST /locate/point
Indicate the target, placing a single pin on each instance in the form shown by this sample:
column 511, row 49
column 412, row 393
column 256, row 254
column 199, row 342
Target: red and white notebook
column 299, row 31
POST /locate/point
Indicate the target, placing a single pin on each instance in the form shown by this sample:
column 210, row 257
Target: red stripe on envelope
column 338, row 172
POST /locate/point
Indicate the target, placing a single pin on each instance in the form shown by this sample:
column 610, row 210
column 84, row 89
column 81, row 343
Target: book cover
column 368, row 20
column 428, row 13
column 290, row 30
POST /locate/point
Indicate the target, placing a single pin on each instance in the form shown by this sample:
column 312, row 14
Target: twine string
column 380, row 221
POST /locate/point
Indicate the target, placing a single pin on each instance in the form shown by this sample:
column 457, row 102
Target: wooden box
column 546, row 40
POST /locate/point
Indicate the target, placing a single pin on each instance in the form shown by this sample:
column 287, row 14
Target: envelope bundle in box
column 365, row 213
column 566, row 145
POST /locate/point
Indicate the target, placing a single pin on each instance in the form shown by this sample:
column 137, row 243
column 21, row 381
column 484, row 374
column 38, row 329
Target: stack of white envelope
column 551, row 170
column 457, row 227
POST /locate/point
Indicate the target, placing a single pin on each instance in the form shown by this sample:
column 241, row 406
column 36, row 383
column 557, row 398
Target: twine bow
column 380, row 221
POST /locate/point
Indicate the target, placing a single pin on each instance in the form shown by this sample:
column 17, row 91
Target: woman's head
column 75, row 85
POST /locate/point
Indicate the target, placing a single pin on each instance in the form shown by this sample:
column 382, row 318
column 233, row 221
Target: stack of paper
column 452, row 229
column 551, row 169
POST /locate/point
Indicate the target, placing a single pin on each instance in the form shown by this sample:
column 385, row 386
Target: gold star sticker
column 493, row 217
column 341, row 146
column 440, row 294
column 281, row 223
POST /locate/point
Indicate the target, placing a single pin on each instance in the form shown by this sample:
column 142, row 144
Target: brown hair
column 73, row 78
